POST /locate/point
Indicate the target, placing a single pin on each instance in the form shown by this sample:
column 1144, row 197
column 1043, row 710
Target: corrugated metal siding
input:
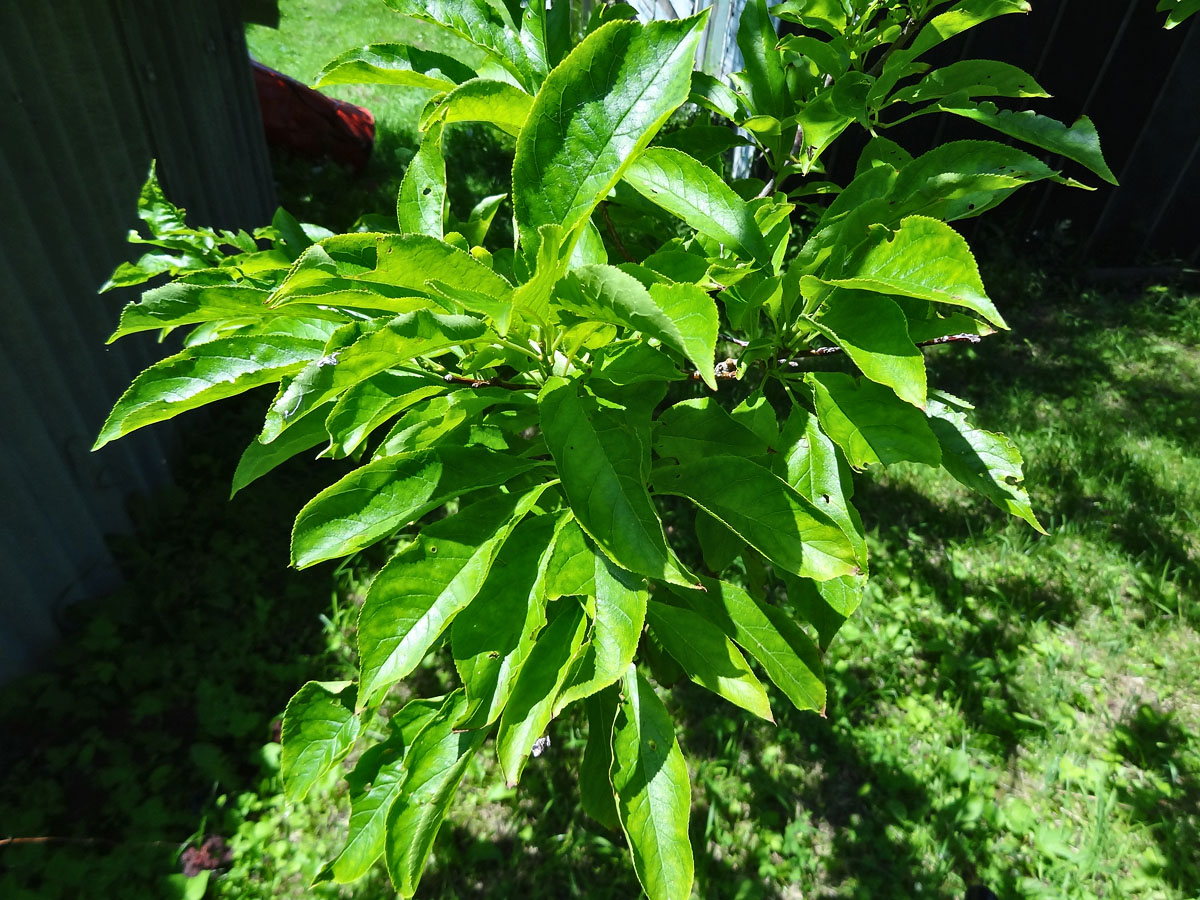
column 90, row 92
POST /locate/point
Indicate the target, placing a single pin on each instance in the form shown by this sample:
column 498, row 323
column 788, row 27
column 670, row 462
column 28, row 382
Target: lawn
column 1006, row 710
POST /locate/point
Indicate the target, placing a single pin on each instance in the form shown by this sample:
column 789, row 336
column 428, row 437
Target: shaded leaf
column 319, row 728
column 650, row 779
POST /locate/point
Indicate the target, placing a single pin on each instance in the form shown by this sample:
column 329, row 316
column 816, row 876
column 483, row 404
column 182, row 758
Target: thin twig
column 489, row 382
column 612, row 233
column 51, row 839
column 727, row 369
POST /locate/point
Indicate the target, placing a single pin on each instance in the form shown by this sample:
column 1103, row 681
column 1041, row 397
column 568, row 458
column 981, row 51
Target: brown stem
column 489, row 382
column 105, row 842
column 612, row 233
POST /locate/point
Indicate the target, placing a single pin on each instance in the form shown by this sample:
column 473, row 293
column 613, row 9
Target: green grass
column 313, row 32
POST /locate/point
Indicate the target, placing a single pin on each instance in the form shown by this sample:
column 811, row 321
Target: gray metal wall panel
column 90, row 92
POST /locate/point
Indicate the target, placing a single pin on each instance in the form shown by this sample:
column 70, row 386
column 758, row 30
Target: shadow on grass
column 1165, row 794
column 162, row 695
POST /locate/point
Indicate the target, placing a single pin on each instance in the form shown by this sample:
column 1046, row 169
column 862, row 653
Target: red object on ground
column 309, row 124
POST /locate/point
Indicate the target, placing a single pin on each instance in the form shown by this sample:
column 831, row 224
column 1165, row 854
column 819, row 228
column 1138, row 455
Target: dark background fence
column 90, row 92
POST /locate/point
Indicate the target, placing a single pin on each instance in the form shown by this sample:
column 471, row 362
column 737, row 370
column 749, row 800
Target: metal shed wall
column 90, row 92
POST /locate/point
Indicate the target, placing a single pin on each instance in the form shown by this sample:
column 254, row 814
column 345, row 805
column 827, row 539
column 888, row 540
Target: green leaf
column 695, row 193
column 828, row 16
column 620, row 612
column 1080, row 142
column 433, row 420
column 870, row 424
column 972, row 78
column 375, row 784
column 212, row 371
column 319, row 728
column 682, row 316
column 405, row 338
column 478, row 223
column 694, row 429
column 398, row 64
column 421, row 203
column 701, row 142
column 809, row 462
column 708, row 657
column 765, row 511
column 984, row 461
column 766, row 84
column 485, row 24
column 963, row 178
column 829, row 114
column 482, row 100
column 595, row 112
column 1179, row 11
column 780, row 646
column 873, row 331
column 435, row 764
column 602, row 457
column 492, row 637
column 926, row 259
column 368, row 404
column 383, row 496
column 416, row 596
column 826, row 604
column 411, row 261
column 258, row 459
column 531, row 706
column 181, row 303
column 650, row 779
column 718, row 545
column 595, row 789
column 714, row 95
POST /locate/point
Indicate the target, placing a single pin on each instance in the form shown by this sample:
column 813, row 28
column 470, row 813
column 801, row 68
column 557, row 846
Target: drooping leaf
column 768, row 634
column 404, row 338
column 972, row 78
column 416, row 596
column 620, row 612
column 377, row 499
column 694, row 429
column 398, row 64
column 1079, row 142
column 479, row 221
column 826, row 604
column 487, row 25
column 595, row 112
column 765, row 511
column 365, row 406
column 375, row 783
column 183, row 303
column 873, row 331
column 434, row 766
column 492, row 637
column 212, row 371
column 926, row 259
column 258, row 459
column 595, row 788
column 602, row 457
column 482, row 100
column 765, row 82
column 650, row 779
column 708, row 657
column 692, row 191
column 319, row 728
column 421, row 203
column 984, row 461
column 808, row 461
column 682, row 316
column 531, row 705
column 870, row 423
